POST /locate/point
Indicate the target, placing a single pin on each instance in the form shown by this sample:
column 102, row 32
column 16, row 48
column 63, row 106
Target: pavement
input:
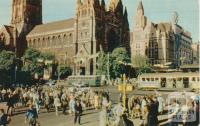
column 89, row 118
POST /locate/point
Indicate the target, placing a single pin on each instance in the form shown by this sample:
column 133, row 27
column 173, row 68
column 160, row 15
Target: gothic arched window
column 53, row 42
column 58, row 40
column 70, row 38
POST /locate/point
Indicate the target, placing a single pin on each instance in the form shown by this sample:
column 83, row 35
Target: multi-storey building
column 75, row 41
column 159, row 41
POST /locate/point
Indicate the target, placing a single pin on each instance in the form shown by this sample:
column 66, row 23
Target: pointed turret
column 79, row 2
column 125, row 14
column 103, row 4
column 119, row 8
column 140, row 8
column 113, row 5
column 126, row 31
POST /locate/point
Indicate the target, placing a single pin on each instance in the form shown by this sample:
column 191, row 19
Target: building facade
column 26, row 14
column 76, row 41
column 159, row 41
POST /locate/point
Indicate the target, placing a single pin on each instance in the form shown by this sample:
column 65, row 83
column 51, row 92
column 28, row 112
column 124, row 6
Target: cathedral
column 76, row 41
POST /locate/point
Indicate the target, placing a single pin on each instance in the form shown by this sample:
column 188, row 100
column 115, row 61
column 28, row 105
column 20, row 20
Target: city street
column 90, row 117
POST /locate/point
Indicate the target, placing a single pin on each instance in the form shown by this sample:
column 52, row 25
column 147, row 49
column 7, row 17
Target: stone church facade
column 26, row 14
column 75, row 42
column 162, row 43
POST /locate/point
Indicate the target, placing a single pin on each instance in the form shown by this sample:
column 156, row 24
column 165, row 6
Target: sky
column 155, row 10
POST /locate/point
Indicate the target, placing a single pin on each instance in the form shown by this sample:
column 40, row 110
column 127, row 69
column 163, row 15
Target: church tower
column 26, row 14
column 88, row 13
column 140, row 19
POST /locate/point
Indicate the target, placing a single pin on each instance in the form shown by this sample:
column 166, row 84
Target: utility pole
column 58, row 71
column 15, row 66
column 124, row 90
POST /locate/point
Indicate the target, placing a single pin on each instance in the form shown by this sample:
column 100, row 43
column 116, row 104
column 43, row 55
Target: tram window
column 198, row 79
column 148, row 79
column 143, row 79
column 152, row 79
column 193, row 79
column 156, row 79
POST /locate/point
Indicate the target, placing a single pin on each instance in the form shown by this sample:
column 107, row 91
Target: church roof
column 52, row 27
column 140, row 6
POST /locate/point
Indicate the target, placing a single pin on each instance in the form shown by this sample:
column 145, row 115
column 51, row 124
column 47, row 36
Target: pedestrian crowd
column 71, row 101
column 179, row 110
column 74, row 101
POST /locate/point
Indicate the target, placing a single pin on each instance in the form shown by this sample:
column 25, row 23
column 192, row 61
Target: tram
column 174, row 80
column 92, row 81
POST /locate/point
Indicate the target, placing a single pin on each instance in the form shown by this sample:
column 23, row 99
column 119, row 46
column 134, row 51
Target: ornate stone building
column 163, row 43
column 75, row 41
column 26, row 14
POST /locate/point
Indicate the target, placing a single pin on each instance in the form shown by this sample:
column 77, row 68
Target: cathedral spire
column 119, row 8
column 103, row 5
column 79, row 2
column 140, row 8
column 113, row 4
column 125, row 13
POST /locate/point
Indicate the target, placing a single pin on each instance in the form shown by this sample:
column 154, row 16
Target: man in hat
column 78, row 111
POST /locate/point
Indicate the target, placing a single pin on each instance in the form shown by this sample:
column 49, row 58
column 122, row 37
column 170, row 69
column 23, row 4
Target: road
column 89, row 118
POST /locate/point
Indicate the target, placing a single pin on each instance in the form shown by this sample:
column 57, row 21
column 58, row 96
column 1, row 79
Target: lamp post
column 124, row 90
column 108, row 68
column 15, row 74
column 124, row 84
column 58, row 71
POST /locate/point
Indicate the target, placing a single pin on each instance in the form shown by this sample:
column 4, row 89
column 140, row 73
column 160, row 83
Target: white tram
column 173, row 80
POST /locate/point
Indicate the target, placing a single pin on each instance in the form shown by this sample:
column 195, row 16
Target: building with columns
column 75, row 42
column 163, row 43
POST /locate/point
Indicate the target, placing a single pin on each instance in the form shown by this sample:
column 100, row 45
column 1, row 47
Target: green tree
column 141, row 64
column 7, row 66
column 47, row 56
column 64, row 71
column 7, row 60
column 31, row 55
column 119, row 56
column 102, row 63
column 116, row 68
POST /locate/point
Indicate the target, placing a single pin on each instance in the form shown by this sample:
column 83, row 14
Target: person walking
column 64, row 102
column 96, row 101
column 4, row 118
column 10, row 105
column 78, row 112
column 57, row 104
column 153, row 112
column 31, row 116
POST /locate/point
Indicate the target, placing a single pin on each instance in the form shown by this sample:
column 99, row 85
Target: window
column 70, row 38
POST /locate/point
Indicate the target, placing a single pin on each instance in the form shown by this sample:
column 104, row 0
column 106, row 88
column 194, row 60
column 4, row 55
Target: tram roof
column 173, row 74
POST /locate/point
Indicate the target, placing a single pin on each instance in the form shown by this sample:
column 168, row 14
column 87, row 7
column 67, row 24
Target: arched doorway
column 82, row 67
